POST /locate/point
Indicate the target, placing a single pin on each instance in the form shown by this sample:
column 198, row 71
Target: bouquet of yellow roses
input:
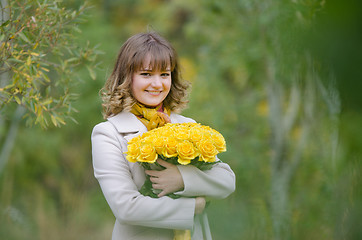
column 177, row 143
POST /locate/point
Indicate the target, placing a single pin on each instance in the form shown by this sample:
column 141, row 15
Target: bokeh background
column 281, row 80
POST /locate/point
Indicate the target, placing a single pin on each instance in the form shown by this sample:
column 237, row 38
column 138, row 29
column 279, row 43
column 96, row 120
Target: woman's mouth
column 154, row 93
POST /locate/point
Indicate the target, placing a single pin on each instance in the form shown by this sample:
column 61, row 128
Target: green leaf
column 70, row 60
column 46, row 77
column 92, row 73
column 47, row 101
column 32, row 105
column 4, row 24
column 73, row 119
column 59, row 119
column 22, row 36
column 17, row 99
column 15, row 60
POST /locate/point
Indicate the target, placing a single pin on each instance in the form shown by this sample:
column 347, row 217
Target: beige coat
column 139, row 217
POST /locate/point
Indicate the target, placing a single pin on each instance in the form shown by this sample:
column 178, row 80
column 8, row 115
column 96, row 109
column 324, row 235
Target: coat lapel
column 128, row 125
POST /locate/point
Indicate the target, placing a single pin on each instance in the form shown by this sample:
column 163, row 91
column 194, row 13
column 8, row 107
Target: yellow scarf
column 151, row 117
column 154, row 118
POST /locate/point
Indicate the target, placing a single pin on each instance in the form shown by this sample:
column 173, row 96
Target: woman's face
column 150, row 87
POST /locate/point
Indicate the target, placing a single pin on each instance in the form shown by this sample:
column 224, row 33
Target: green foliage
column 258, row 75
column 39, row 59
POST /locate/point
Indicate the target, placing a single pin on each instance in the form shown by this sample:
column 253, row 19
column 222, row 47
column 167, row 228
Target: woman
column 145, row 91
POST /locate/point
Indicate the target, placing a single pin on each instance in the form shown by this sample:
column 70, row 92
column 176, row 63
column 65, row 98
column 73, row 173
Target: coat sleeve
column 218, row 182
column 112, row 172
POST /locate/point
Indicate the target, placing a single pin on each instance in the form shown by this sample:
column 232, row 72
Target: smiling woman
column 143, row 93
column 143, row 54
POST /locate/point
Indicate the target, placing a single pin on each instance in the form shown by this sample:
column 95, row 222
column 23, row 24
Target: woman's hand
column 168, row 180
column 200, row 204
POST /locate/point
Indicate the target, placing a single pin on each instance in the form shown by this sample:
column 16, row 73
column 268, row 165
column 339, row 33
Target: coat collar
column 127, row 123
column 129, row 126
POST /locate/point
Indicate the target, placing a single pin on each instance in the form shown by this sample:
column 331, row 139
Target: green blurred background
column 280, row 80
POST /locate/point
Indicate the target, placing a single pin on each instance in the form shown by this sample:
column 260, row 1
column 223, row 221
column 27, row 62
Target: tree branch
column 293, row 108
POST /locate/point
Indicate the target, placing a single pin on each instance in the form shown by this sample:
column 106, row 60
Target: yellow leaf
column 48, row 101
column 39, row 111
column 34, row 54
column 28, row 61
column 17, row 99
column 61, row 120
column 54, row 120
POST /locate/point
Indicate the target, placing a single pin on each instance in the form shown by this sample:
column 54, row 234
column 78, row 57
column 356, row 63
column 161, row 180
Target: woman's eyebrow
column 146, row 69
column 150, row 70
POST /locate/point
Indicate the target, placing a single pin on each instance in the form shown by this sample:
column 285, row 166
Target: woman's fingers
column 154, row 179
column 164, row 163
column 168, row 180
column 153, row 173
column 156, row 173
column 163, row 193
column 200, row 204
column 156, row 186
column 160, row 187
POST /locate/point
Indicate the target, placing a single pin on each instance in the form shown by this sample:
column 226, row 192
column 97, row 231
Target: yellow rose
column 182, row 133
column 166, row 131
column 147, row 137
column 147, row 153
column 133, row 149
column 135, row 140
column 159, row 143
column 196, row 134
column 219, row 141
column 207, row 150
column 170, row 147
column 183, row 140
column 186, row 152
column 206, row 128
column 132, row 153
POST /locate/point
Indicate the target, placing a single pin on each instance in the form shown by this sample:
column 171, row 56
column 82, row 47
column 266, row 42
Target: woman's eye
column 165, row 74
column 145, row 74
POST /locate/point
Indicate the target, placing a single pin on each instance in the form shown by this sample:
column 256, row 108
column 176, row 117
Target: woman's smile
column 154, row 93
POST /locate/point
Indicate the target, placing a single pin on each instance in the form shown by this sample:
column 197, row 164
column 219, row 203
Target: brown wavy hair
column 117, row 93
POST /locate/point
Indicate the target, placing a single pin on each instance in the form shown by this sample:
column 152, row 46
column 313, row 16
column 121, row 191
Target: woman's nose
column 156, row 81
